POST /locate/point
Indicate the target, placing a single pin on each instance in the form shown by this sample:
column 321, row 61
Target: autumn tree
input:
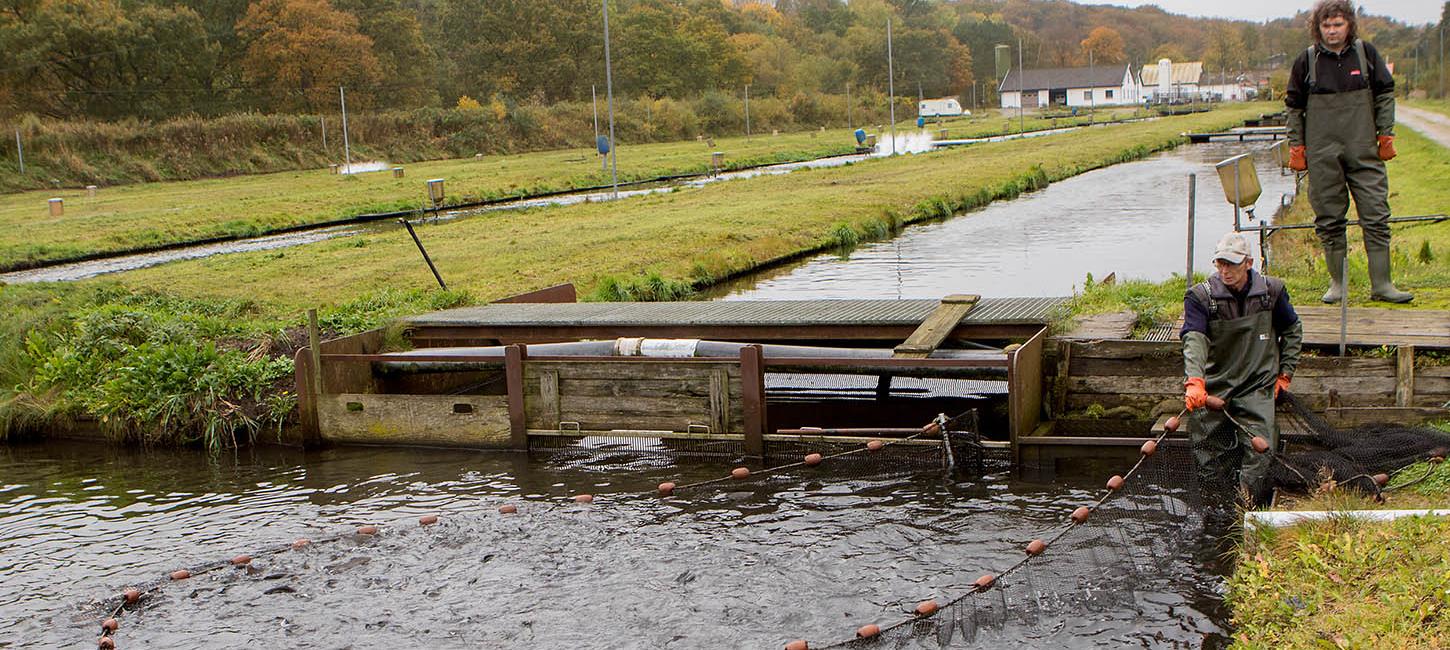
column 99, row 59
column 301, row 51
column 1105, row 45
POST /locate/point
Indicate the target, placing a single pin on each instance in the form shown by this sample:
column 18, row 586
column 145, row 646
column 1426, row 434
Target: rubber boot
column 1381, row 288
column 1334, row 260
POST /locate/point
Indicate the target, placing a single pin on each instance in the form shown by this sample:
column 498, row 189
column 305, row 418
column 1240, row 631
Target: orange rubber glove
column 1297, row 162
column 1280, row 385
column 1387, row 147
column 1195, row 393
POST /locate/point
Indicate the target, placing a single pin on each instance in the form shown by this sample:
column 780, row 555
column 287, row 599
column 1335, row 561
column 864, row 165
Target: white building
column 1168, row 81
column 1103, row 85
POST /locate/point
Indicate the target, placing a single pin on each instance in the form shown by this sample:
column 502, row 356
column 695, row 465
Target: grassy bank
column 78, row 153
column 1350, row 584
column 654, row 247
column 1421, row 252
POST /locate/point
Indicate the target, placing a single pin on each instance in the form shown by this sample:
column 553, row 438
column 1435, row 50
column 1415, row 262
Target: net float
column 110, row 625
column 131, row 595
column 301, row 543
column 1259, row 444
column 868, row 631
column 667, row 488
column 798, row 644
column 180, row 574
column 875, row 445
column 583, row 498
column 1149, row 447
column 1171, row 425
column 427, row 520
column 1115, row 483
column 367, row 530
column 931, row 428
column 926, row 608
column 1381, row 479
column 1081, row 514
column 241, row 560
column 740, row 473
column 1036, row 547
column 1216, row 403
column 813, row 459
column 106, row 643
column 508, row 509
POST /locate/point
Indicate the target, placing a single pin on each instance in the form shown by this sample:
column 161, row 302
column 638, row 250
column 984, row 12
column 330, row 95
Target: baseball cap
column 1233, row 248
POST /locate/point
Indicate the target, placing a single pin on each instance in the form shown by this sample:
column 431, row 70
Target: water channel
column 746, row 566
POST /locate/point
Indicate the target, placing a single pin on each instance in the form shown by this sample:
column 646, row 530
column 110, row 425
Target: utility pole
column 19, row 151
column 346, row 146
column 1021, row 75
column 891, row 85
column 609, row 93
column 747, row 111
column 594, row 101
column 850, row 123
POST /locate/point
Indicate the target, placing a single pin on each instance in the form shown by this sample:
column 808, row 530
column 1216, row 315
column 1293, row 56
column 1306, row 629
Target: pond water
column 750, row 564
column 1129, row 219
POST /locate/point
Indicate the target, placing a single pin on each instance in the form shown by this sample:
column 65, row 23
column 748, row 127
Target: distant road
column 1430, row 124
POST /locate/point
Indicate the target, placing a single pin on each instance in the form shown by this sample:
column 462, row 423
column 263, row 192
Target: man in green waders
column 1341, row 113
column 1241, row 342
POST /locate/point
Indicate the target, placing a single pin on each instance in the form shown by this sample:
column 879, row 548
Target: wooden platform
column 1422, row 328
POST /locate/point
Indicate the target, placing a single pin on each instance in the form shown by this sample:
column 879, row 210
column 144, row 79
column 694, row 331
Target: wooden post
column 514, row 356
column 1405, row 376
column 752, row 397
column 313, row 421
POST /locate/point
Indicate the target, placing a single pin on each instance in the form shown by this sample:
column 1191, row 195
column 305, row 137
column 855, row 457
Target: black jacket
column 1338, row 73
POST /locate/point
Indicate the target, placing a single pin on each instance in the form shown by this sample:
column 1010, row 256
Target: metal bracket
column 697, row 428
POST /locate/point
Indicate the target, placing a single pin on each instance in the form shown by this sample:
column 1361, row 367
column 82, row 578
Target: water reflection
column 1129, row 219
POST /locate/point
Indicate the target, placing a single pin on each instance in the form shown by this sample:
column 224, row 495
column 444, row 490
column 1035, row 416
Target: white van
column 944, row 107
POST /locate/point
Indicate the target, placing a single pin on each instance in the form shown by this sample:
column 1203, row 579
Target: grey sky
column 1415, row 12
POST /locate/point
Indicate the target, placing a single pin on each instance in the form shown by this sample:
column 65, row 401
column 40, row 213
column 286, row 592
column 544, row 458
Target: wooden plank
column 719, row 400
column 681, row 388
column 549, row 398
column 1405, row 375
column 630, row 369
column 1376, row 327
column 480, row 421
column 1024, row 386
column 559, row 293
column 752, row 396
column 1115, row 325
column 1059, row 385
column 514, row 377
column 936, row 327
column 1116, row 349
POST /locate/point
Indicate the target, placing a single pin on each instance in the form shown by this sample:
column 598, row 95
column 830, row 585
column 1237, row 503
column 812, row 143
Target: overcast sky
column 1415, row 12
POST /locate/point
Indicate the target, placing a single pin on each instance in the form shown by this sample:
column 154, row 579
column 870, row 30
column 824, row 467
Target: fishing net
column 1109, row 563
column 1350, row 457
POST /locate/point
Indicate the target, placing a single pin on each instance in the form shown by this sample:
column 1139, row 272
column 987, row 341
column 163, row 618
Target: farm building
column 1169, row 81
column 1104, row 85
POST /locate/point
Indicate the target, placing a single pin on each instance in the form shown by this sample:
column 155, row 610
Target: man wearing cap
column 1241, row 342
column 1341, row 116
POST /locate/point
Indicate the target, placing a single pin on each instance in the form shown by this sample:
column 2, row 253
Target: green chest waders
column 1343, row 158
column 1243, row 362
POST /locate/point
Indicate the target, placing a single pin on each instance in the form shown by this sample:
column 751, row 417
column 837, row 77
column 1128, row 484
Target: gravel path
column 1432, row 125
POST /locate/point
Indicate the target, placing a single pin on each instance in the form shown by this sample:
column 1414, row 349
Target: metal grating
column 1162, row 333
column 737, row 313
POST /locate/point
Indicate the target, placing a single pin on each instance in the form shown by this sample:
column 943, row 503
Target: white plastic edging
column 1279, row 519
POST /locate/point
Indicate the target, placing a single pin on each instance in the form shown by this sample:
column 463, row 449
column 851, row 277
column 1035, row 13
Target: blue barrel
column 603, row 144
column 860, row 136
column 920, row 122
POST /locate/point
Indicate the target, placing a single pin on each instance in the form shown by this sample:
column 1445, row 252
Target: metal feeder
column 435, row 191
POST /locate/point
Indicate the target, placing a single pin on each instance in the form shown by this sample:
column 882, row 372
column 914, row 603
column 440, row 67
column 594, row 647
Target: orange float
column 926, row 608
column 1149, row 447
column 1115, row 483
column 875, row 445
column 241, row 560
column 180, row 574
column 1081, row 514
column 740, row 473
column 868, row 631
column 813, row 459
column 1036, row 547
column 367, row 530
column 583, row 498
column 507, row 509
column 667, row 489
column 427, row 520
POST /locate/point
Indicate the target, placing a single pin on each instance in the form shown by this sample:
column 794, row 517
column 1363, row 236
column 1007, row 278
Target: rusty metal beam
column 514, row 376
column 752, row 398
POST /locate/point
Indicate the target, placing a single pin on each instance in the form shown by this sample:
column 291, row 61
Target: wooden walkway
column 1368, row 326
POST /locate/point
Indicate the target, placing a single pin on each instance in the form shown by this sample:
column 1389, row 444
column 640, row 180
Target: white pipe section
column 1280, row 519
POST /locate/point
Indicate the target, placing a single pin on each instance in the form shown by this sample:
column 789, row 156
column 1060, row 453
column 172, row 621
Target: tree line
column 157, row 59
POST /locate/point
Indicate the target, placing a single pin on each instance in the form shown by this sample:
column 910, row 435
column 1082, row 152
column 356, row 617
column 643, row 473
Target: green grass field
column 152, row 214
column 690, row 235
